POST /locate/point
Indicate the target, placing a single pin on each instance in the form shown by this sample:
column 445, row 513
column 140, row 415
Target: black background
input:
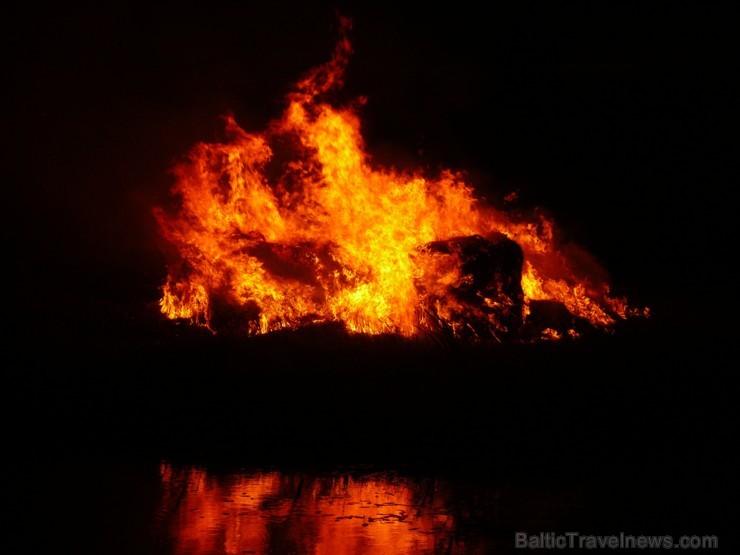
column 613, row 117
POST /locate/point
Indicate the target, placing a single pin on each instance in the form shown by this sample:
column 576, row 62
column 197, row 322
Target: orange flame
column 296, row 225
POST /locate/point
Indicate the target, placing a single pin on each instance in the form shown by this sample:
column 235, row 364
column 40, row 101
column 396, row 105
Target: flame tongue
column 295, row 226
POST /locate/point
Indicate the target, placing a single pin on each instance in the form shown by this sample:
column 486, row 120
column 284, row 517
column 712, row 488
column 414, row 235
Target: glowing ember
column 296, row 225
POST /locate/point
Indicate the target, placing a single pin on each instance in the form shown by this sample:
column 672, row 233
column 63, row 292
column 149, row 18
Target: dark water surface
column 201, row 445
column 339, row 512
column 141, row 506
column 98, row 506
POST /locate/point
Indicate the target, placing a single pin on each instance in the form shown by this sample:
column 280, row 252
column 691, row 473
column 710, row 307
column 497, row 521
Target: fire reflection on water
column 275, row 512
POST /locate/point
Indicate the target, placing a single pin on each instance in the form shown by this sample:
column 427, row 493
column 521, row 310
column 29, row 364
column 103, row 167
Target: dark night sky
column 610, row 117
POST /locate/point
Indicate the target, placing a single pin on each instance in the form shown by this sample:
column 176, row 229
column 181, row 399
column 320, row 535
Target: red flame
column 296, row 225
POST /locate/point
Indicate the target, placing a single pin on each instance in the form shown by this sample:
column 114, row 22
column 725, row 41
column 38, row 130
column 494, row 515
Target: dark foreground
column 627, row 432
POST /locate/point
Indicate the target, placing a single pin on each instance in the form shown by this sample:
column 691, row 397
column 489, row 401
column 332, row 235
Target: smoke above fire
column 295, row 225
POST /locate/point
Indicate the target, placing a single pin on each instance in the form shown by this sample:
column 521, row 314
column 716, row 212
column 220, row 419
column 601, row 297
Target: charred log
column 473, row 285
column 228, row 315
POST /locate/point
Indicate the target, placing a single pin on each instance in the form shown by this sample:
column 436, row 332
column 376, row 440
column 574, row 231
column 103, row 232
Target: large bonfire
column 296, row 225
